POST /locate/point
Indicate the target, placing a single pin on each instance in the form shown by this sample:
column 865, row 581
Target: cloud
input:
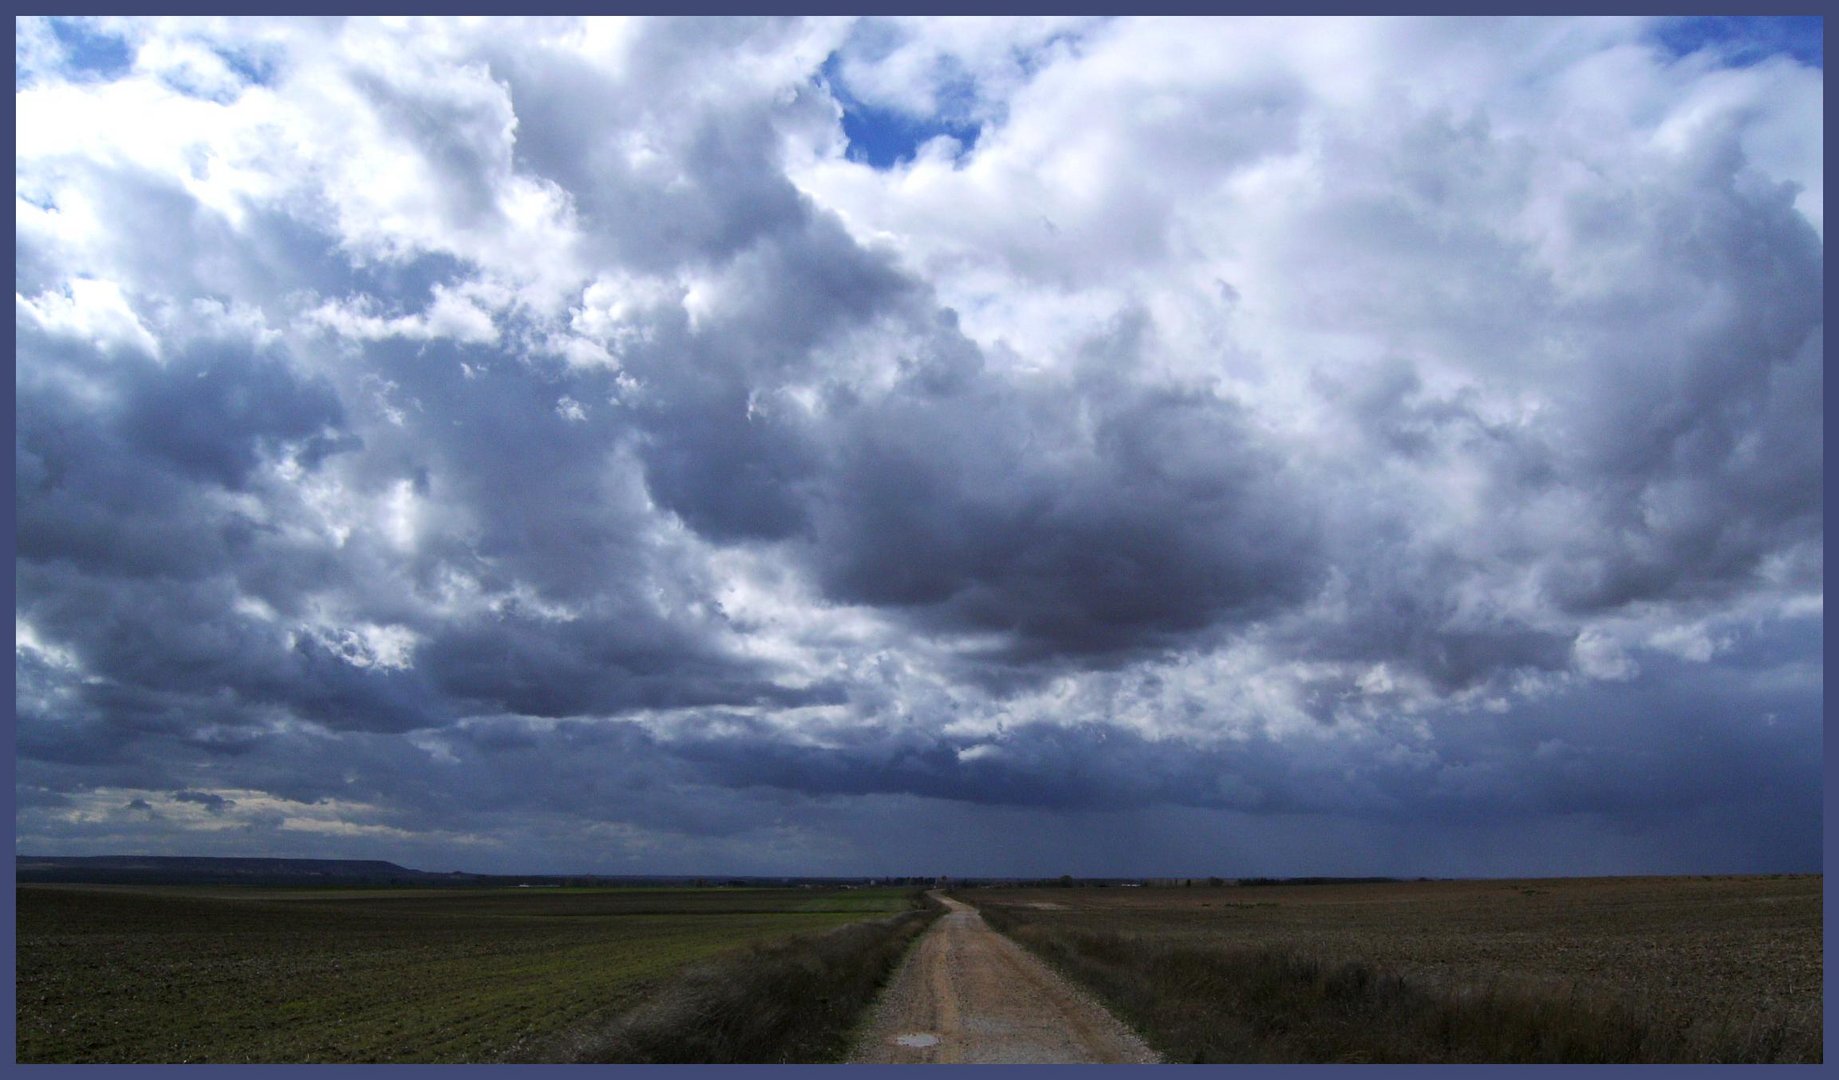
column 213, row 804
column 510, row 428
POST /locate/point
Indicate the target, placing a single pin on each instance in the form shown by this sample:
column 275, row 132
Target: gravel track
column 966, row 994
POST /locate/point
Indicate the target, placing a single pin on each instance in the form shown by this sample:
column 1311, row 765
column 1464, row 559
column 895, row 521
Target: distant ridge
column 206, row 870
column 199, row 870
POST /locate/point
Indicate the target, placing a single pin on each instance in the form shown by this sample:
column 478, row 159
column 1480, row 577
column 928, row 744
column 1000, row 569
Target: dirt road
column 968, row 994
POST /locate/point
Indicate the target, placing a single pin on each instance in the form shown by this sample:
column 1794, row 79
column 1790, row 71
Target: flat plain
column 1712, row 968
column 239, row 974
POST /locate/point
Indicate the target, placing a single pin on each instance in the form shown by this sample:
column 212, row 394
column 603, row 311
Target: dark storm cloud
column 935, row 500
column 953, row 499
column 213, row 804
column 1084, row 517
column 128, row 550
column 179, row 661
column 1578, row 756
column 130, row 553
column 731, row 468
column 932, row 499
column 233, row 411
column 176, row 648
column 207, row 414
column 599, row 667
column 1676, row 741
column 1702, row 452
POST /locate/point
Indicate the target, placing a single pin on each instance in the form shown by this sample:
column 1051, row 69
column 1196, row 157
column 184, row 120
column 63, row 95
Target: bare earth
column 966, row 994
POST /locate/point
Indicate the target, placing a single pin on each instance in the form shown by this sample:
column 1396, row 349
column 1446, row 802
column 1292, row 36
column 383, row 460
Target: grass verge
column 1274, row 1005
column 792, row 1001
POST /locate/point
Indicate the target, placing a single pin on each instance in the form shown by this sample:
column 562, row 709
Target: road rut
column 966, row 994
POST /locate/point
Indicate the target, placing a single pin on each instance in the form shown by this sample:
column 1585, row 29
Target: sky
column 1011, row 446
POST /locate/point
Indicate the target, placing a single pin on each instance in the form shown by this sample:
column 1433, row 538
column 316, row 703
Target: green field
column 236, row 974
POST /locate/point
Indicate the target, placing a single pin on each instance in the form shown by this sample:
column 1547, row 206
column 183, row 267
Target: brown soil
column 966, row 994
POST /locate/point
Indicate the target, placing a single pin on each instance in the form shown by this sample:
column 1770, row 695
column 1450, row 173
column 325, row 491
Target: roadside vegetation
column 793, row 1001
column 133, row 974
column 1630, row 970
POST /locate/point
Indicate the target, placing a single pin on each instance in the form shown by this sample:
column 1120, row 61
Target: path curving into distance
column 967, row 994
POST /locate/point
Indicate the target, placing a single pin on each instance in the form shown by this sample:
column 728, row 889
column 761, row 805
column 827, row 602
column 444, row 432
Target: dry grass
column 793, row 1001
column 1677, row 969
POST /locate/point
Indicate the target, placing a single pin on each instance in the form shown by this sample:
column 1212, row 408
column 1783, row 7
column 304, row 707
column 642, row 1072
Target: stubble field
column 1694, row 969
column 133, row 974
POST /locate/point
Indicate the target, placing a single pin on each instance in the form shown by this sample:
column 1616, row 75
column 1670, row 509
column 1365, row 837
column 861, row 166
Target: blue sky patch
column 250, row 69
column 883, row 138
column 90, row 52
column 1747, row 39
column 254, row 68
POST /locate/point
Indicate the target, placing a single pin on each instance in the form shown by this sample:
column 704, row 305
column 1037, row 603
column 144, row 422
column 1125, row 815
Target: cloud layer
column 553, row 444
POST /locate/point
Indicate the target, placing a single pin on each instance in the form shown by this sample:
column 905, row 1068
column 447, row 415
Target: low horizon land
column 1690, row 968
column 58, row 868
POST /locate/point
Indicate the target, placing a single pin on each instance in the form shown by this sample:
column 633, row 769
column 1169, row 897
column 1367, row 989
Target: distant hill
column 200, row 870
column 194, row 870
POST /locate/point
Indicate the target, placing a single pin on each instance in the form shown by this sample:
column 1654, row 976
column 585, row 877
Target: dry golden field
column 1702, row 962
